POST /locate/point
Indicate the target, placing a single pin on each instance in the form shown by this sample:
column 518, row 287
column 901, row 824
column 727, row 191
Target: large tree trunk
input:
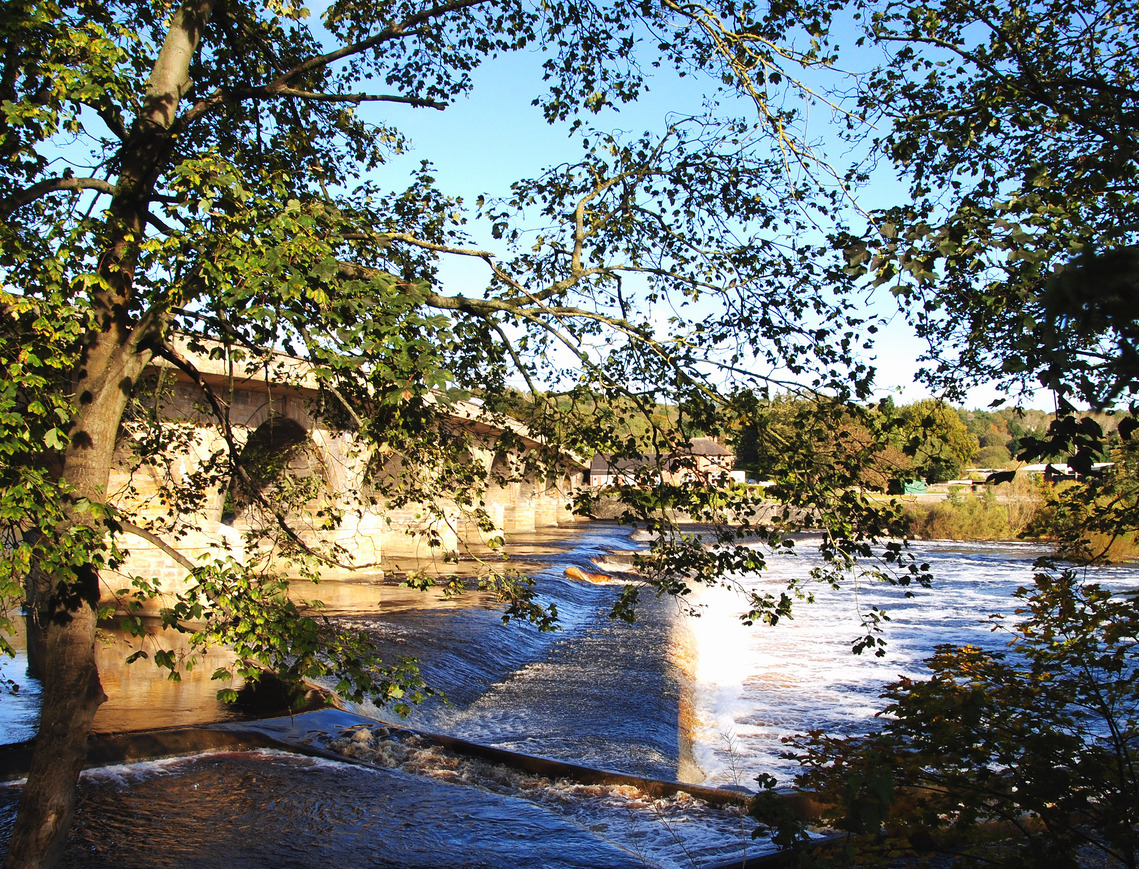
column 72, row 694
column 117, row 350
column 72, row 691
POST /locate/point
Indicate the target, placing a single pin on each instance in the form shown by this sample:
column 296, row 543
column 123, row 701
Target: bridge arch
column 281, row 460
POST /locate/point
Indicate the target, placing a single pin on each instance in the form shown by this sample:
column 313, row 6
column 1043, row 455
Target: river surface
column 675, row 696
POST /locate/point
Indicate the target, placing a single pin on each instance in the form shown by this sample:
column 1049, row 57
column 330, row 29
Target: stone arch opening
column 385, row 478
column 501, row 476
column 281, row 463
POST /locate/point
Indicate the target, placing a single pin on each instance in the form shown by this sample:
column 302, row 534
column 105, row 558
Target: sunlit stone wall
column 368, row 535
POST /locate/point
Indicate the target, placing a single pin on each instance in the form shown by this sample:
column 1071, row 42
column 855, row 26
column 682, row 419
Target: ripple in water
column 267, row 808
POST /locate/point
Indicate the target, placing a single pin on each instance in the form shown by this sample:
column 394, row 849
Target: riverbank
column 1020, row 510
column 1004, row 512
column 1007, row 509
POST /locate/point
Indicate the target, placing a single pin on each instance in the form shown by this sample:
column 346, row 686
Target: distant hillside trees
column 882, row 445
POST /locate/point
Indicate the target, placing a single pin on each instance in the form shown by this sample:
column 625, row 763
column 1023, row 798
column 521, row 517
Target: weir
column 495, row 795
column 675, row 697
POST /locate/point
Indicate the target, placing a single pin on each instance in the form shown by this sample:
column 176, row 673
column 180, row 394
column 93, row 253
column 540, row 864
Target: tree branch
column 156, row 540
column 280, row 85
column 113, row 121
column 390, row 33
column 53, row 185
column 187, row 367
column 269, row 92
column 328, row 385
column 1044, row 90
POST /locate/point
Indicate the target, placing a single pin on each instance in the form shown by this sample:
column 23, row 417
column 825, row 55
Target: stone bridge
column 280, row 421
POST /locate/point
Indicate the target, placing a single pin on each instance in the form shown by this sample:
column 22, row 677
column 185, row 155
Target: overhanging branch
column 53, row 185
column 156, row 540
column 269, row 92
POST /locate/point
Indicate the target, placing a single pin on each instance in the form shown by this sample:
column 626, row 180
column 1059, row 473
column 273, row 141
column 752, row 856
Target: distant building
column 608, row 471
column 1060, row 471
column 1049, row 471
column 706, row 460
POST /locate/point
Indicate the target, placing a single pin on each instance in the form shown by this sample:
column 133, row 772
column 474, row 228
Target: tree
column 199, row 176
column 1014, row 125
column 1096, row 521
column 993, row 457
column 849, row 446
column 932, row 433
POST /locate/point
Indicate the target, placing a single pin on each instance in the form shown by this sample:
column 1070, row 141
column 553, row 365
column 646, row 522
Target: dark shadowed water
column 269, row 809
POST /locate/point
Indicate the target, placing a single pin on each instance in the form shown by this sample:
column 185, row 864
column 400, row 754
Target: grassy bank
column 1021, row 510
column 1003, row 512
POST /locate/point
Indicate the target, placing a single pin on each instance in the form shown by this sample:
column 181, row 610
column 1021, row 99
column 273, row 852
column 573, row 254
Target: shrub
column 1026, row 757
column 1004, row 512
column 1096, row 521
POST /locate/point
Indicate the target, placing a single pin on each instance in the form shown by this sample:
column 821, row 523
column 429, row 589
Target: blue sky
column 495, row 136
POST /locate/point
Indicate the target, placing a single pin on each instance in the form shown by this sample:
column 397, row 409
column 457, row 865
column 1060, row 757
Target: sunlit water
column 701, row 699
column 753, row 686
column 705, row 698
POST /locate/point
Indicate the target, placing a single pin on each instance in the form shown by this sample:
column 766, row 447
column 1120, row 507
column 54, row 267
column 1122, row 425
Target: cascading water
column 701, row 699
column 597, row 692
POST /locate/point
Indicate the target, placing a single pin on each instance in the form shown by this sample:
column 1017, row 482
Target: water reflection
column 141, row 696
column 19, row 712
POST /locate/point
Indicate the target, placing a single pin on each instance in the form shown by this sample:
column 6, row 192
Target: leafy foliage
column 1012, row 123
column 36, row 352
column 196, row 186
column 1096, row 521
column 1004, row 745
column 933, row 435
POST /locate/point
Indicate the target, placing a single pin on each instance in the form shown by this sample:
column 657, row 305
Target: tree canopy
column 196, row 180
column 193, row 181
column 1013, row 125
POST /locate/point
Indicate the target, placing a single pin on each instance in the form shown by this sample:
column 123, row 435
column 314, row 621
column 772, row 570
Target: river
column 697, row 699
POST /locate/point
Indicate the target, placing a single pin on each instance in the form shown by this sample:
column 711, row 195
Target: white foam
column 753, row 686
